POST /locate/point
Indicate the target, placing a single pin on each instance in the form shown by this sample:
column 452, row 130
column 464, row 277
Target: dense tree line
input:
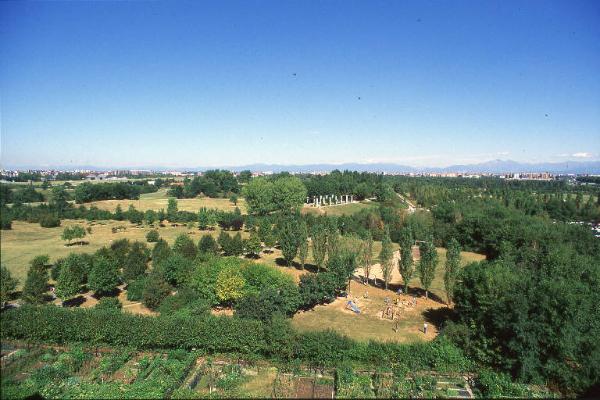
column 534, row 314
column 213, row 183
column 88, row 192
column 21, row 194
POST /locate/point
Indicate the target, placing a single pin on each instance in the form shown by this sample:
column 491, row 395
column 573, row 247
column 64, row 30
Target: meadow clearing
column 27, row 240
column 159, row 200
column 369, row 324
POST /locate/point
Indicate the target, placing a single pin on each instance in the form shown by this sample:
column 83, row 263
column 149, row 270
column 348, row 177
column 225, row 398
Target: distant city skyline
column 188, row 84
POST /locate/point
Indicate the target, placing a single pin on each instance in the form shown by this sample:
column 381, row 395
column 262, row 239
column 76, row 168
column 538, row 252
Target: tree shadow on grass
column 74, row 302
column 252, row 256
column 79, row 243
column 113, row 293
column 280, row 261
column 439, row 316
column 307, row 267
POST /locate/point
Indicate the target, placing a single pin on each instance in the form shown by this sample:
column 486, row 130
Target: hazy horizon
column 185, row 84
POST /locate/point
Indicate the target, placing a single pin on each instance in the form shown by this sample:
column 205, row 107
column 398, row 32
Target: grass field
column 26, row 240
column 156, row 201
column 368, row 325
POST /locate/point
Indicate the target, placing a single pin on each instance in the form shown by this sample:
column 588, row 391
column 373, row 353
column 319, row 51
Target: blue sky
column 294, row 82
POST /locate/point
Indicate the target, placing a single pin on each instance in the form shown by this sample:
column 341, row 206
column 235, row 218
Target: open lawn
column 369, row 324
column 26, row 240
column 156, row 201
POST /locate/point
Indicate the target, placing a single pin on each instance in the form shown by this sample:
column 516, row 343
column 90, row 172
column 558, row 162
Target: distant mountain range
column 490, row 167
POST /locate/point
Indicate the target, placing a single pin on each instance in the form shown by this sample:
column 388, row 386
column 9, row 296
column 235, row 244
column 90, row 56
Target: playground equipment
column 352, row 306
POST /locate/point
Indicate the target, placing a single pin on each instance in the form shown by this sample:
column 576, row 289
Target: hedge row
column 213, row 334
column 61, row 325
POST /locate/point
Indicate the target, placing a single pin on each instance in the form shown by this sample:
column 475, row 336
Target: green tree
column 253, row 245
column 119, row 216
column 161, row 251
column 155, row 291
column 234, row 199
column 259, row 196
column 303, row 244
column 172, row 210
column 152, row 236
column 289, row 240
column 5, row 219
column 236, row 246
column 245, row 176
column 386, row 258
column 78, row 265
column 136, row 262
column 224, row 241
column 333, row 242
column 319, row 245
column 36, row 283
column 73, row 232
column 208, row 245
column 185, row 246
column 134, row 216
column 203, row 219
column 230, row 285
column 405, row 265
column 176, row 269
column 365, row 255
column 150, row 217
column 104, row 276
column 452, row 268
column 59, row 199
column 265, row 232
column 427, row 264
column 289, row 194
column 68, row 284
column 7, row 285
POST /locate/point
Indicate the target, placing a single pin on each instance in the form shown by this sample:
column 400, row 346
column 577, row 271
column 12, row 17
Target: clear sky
column 293, row 82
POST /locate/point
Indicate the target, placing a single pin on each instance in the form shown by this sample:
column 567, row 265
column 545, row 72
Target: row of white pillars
column 330, row 199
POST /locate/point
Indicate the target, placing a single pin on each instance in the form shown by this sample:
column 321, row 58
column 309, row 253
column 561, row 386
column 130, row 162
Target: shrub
column 135, row 289
column 185, row 246
column 160, row 251
column 155, row 291
column 49, row 221
column 208, row 244
column 5, row 220
column 176, row 269
column 109, row 303
column 185, row 300
column 152, row 236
